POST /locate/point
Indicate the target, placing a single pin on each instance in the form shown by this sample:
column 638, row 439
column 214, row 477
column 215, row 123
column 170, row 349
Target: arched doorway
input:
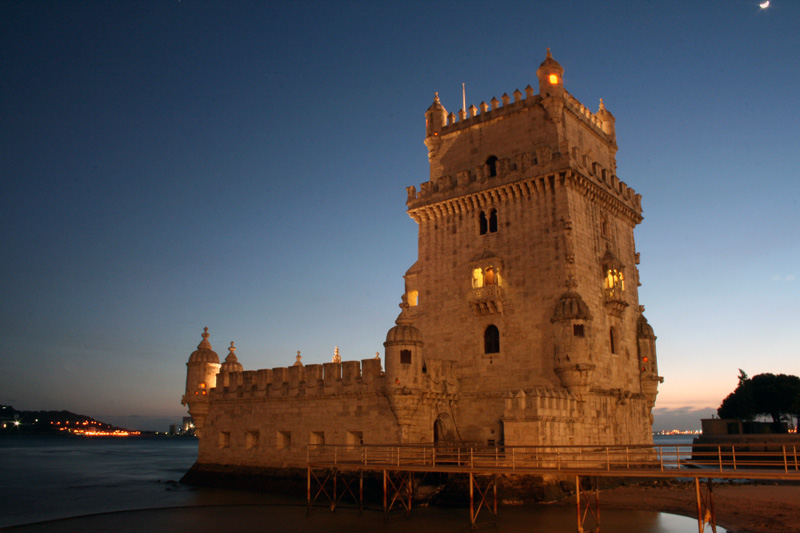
column 444, row 429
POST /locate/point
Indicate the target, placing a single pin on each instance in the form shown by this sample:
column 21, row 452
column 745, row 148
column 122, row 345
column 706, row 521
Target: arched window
column 493, row 221
column 491, row 340
column 490, row 277
column 614, row 283
column 482, row 222
column 477, row 278
column 612, row 337
column 491, row 165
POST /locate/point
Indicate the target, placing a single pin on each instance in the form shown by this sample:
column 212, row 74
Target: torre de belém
column 520, row 321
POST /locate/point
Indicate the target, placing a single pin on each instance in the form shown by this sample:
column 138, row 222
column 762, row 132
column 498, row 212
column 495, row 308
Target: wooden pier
column 336, row 471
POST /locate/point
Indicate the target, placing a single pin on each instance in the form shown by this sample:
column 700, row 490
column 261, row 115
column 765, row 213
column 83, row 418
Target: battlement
column 503, row 107
column 348, row 377
column 327, row 379
column 485, row 112
column 541, row 403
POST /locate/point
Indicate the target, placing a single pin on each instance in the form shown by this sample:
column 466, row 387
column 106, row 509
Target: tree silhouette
column 763, row 394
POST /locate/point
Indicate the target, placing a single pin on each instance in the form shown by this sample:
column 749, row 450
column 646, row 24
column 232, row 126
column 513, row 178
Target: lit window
column 553, row 79
column 490, row 277
column 413, row 298
column 614, row 283
column 477, row 278
column 491, row 340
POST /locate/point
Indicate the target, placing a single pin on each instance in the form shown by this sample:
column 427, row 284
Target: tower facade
column 520, row 322
column 526, row 275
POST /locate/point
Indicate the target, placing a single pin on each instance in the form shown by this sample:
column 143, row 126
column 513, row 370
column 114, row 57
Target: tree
column 739, row 404
column 763, row 394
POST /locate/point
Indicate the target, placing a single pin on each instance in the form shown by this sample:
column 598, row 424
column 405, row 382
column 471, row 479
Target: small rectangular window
column 251, row 439
column 355, row 438
column 284, row 440
column 224, row 439
column 405, row 357
column 413, row 298
column 577, row 330
column 317, row 438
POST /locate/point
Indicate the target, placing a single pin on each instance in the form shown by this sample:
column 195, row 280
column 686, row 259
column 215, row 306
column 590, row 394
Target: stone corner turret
column 201, row 376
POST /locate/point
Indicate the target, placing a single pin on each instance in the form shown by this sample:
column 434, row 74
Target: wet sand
column 740, row 507
column 293, row 519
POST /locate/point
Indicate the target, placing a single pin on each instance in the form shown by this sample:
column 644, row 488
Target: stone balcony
column 486, row 300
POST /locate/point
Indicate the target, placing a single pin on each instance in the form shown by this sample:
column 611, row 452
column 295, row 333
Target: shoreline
column 753, row 507
column 740, row 508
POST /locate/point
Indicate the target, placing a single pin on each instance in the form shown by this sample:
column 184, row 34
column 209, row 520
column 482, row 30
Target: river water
column 54, row 484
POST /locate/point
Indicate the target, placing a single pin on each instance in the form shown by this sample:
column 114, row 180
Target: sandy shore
column 740, row 508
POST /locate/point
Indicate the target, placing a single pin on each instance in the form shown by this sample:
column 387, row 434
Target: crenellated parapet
column 328, row 379
column 540, row 404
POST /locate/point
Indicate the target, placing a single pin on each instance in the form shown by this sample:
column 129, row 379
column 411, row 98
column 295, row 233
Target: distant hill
column 49, row 422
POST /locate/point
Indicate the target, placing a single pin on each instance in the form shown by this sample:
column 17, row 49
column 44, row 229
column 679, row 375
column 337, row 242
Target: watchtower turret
column 403, row 352
column 404, row 370
column 551, row 77
column 201, row 377
column 648, row 364
column 572, row 323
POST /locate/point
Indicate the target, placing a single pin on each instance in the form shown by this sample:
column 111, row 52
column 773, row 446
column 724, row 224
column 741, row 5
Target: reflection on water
column 53, row 478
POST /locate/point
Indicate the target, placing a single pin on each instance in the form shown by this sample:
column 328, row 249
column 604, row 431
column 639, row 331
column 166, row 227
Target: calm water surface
column 77, row 484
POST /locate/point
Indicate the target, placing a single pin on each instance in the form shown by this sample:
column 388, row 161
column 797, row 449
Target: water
column 56, row 484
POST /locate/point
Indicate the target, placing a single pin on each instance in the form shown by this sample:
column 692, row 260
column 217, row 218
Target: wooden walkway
column 334, row 471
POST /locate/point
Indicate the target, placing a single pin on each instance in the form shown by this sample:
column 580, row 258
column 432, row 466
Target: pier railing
column 400, row 463
column 765, row 461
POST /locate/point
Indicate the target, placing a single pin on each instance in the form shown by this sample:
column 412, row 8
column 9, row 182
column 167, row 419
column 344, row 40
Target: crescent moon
column 764, row 5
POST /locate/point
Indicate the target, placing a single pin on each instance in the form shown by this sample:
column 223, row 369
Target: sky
column 171, row 165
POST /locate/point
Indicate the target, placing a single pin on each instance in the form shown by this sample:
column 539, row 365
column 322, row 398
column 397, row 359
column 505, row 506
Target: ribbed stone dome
column 644, row 329
column 551, row 64
column 204, row 353
column 404, row 333
column 571, row 307
column 437, row 105
column 231, row 363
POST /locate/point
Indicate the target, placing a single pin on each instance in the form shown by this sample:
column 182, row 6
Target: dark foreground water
column 55, row 484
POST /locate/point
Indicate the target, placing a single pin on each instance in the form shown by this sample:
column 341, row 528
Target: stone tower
column 526, row 275
column 520, row 323
column 201, row 376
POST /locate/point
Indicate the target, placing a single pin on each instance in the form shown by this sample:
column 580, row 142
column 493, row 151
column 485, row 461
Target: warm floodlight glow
column 413, row 298
column 554, row 78
column 477, row 278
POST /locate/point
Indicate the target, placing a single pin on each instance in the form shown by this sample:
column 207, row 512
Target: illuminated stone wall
column 520, row 319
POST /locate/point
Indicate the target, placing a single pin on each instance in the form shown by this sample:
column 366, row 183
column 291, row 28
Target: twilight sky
column 171, row 165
